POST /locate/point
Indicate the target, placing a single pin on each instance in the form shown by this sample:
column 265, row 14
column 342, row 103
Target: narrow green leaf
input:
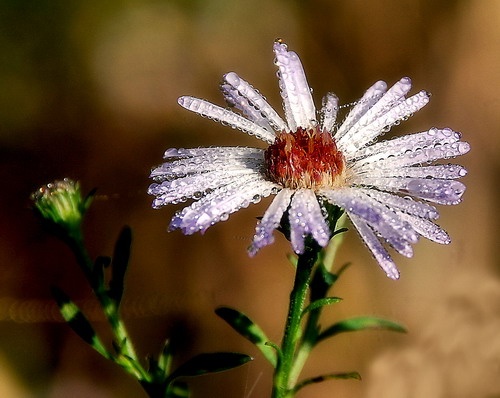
column 178, row 389
column 78, row 322
column 249, row 330
column 209, row 363
column 87, row 201
column 360, row 323
column 119, row 264
column 100, row 263
column 320, row 303
column 319, row 379
column 165, row 359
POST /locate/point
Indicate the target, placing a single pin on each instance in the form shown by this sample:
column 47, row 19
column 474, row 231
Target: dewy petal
column 306, row 218
column 205, row 108
column 244, row 97
column 295, row 91
column 445, row 192
column 194, row 186
column 398, row 233
column 383, row 123
column 356, row 137
column 442, row 140
column 405, row 204
column 270, row 221
column 199, row 160
column 370, row 97
column 440, row 171
column 427, row 228
column 218, row 205
column 372, row 242
column 329, row 112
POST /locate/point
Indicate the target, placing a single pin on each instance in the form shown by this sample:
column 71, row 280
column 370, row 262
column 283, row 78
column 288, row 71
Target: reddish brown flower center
column 305, row 159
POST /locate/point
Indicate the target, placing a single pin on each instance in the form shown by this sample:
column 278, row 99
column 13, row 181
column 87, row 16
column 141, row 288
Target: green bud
column 60, row 203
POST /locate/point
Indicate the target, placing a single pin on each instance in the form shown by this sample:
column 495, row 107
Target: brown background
column 88, row 90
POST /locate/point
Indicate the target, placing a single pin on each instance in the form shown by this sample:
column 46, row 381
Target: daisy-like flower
column 311, row 160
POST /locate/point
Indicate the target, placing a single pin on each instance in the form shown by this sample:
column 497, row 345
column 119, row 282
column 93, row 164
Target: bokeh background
column 88, row 90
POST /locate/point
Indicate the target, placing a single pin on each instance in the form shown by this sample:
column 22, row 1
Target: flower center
column 305, row 159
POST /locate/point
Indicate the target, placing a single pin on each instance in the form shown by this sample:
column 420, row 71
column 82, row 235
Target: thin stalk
column 128, row 358
column 333, row 247
column 283, row 384
column 296, row 360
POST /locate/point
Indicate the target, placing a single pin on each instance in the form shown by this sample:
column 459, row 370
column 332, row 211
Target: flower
column 311, row 160
column 61, row 204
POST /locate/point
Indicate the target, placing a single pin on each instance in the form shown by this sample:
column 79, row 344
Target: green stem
column 331, row 250
column 127, row 357
column 283, row 383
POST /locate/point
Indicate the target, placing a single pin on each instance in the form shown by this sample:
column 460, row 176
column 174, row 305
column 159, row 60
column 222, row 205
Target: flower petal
column 398, row 233
column 194, row 186
column 329, row 112
column 243, row 96
column 404, row 149
column 373, row 243
column 219, row 204
column 194, row 161
column 445, row 192
column 270, row 221
column 205, row 108
column 295, row 91
column 306, row 218
column 427, row 228
column 360, row 136
column 370, row 97
column 441, row 171
column 404, row 204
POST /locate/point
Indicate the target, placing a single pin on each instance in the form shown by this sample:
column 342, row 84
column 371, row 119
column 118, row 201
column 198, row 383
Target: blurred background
column 88, row 91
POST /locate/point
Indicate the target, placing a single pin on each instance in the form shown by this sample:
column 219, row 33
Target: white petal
column 372, row 242
column 440, row 171
column 445, row 192
column 405, row 204
column 205, row 108
column 194, row 186
column 215, row 152
column 407, row 144
column 371, row 96
column 201, row 160
column 295, row 91
column 244, row 97
column 306, row 218
column 382, row 124
column 427, row 229
column 385, row 221
column 218, row 205
column 270, row 221
column 356, row 137
column 329, row 112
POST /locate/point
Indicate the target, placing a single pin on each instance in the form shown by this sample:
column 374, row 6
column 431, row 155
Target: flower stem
column 127, row 357
column 284, row 381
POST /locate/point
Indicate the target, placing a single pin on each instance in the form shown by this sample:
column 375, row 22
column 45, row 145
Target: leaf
column 360, row 323
column 100, row 263
column 320, row 303
column 165, row 360
column 319, row 379
column 209, row 363
column 78, row 322
column 249, row 330
column 119, row 264
column 87, row 201
column 178, row 389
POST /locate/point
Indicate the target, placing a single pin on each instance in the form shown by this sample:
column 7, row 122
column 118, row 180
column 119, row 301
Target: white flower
column 310, row 160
